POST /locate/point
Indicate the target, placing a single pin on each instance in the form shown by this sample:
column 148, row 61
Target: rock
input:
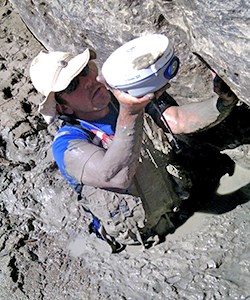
column 216, row 31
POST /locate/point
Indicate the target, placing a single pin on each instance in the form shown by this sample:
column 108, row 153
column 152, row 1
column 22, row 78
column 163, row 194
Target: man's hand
column 128, row 103
column 132, row 104
column 119, row 163
column 223, row 90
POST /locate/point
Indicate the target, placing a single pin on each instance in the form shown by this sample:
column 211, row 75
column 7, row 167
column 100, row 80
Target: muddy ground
column 45, row 250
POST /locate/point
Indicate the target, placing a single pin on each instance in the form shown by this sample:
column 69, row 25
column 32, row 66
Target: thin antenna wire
column 167, row 126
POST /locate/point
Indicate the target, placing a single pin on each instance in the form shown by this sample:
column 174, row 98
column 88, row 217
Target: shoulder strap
column 74, row 122
column 97, row 136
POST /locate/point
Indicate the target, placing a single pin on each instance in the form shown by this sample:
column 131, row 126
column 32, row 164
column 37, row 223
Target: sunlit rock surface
column 217, row 31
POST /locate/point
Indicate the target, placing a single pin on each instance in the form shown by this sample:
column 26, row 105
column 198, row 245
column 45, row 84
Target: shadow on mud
column 205, row 164
column 206, row 175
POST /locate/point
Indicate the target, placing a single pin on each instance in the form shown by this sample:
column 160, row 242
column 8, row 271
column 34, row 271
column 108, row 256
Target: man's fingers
column 149, row 96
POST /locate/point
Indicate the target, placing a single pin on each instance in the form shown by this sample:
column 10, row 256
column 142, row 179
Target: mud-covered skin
column 115, row 167
column 112, row 168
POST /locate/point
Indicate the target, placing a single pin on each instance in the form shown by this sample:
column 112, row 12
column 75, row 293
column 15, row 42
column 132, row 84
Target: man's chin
column 102, row 99
column 100, row 108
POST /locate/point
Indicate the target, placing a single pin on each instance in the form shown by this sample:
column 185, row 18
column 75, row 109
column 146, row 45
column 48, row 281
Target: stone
column 217, row 32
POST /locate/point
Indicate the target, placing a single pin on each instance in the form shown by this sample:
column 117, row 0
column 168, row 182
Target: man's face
column 88, row 96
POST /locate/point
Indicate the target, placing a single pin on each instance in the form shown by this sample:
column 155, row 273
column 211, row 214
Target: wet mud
column 45, row 249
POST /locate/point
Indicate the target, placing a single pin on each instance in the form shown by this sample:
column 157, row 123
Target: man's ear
column 93, row 67
column 64, row 109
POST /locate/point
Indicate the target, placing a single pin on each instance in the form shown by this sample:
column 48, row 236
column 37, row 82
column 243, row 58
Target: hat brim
column 48, row 107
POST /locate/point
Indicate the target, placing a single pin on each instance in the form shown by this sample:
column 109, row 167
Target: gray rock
column 218, row 32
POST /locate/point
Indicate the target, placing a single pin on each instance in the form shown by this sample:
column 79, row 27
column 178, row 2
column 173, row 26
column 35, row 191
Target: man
column 99, row 147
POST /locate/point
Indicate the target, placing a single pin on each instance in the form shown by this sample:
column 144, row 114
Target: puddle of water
column 193, row 224
column 77, row 246
column 229, row 184
column 80, row 245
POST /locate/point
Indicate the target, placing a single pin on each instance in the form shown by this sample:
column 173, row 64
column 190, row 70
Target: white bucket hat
column 52, row 72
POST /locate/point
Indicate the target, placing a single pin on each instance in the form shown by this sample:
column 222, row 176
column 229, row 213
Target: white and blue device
column 142, row 65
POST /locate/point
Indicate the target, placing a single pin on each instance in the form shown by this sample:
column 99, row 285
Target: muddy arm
column 115, row 167
column 194, row 117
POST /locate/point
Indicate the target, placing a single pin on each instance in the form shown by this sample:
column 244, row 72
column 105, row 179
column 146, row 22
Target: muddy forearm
column 113, row 168
column 121, row 159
